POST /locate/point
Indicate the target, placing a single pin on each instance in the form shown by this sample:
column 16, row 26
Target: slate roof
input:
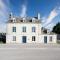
column 23, row 20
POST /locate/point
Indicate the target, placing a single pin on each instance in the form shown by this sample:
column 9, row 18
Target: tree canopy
column 56, row 28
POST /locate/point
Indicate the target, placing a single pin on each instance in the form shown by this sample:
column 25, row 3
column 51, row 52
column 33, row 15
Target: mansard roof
column 24, row 20
column 47, row 31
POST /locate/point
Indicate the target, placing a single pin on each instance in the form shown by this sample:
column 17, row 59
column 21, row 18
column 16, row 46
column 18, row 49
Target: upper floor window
column 33, row 29
column 14, row 21
column 14, row 29
column 24, row 29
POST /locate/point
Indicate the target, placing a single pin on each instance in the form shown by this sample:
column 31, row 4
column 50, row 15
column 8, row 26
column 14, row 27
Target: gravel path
column 21, row 52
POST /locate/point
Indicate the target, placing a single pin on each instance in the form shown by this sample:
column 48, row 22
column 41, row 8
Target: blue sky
column 48, row 9
column 44, row 7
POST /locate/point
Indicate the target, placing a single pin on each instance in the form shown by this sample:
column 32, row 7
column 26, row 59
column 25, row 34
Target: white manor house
column 28, row 30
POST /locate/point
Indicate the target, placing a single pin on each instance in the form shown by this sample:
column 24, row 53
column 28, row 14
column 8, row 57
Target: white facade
column 26, row 37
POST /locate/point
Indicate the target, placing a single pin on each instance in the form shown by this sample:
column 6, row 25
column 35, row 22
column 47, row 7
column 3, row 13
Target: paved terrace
column 29, row 52
column 30, row 45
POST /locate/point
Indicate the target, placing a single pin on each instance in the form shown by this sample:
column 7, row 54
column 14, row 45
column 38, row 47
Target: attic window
column 14, row 20
column 30, row 20
column 11, row 20
column 45, row 31
column 21, row 20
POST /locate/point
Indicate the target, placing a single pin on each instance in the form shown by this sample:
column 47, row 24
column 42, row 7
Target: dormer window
column 14, row 20
column 11, row 20
column 21, row 20
column 30, row 20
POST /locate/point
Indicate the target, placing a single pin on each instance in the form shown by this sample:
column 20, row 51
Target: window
column 14, row 38
column 30, row 20
column 21, row 20
column 14, row 29
column 33, row 38
column 33, row 29
column 24, row 29
column 50, row 38
column 14, row 21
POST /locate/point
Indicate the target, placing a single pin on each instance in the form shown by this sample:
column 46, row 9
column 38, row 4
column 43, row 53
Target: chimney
column 10, row 15
column 38, row 16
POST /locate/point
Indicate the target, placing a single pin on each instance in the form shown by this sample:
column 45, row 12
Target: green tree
column 56, row 28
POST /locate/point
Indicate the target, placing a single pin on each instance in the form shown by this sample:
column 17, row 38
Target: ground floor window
column 50, row 38
column 33, row 38
column 14, row 38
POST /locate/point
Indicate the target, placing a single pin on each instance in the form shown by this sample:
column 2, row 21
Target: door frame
column 45, row 39
column 24, row 39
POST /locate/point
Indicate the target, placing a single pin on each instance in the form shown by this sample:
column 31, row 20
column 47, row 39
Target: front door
column 45, row 39
column 24, row 39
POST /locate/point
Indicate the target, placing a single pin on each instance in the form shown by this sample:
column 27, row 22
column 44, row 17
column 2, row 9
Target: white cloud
column 52, row 15
column 43, row 19
column 23, row 11
column 47, row 23
column 59, row 8
column 1, row 4
column 50, row 26
column 3, row 16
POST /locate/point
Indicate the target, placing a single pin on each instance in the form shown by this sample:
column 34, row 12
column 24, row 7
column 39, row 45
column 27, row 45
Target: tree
column 56, row 28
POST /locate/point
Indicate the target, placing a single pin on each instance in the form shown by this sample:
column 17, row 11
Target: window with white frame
column 33, row 38
column 33, row 29
column 14, row 29
column 24, row 29
column 14, row 38
column 50, row 38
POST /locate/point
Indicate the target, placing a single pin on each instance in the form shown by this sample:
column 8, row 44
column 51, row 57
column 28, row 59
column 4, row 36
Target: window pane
column 14, row 29
column 33, row 29
column 50, row 38
column 33, row 38
column 24, row 29
column 14, row 38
